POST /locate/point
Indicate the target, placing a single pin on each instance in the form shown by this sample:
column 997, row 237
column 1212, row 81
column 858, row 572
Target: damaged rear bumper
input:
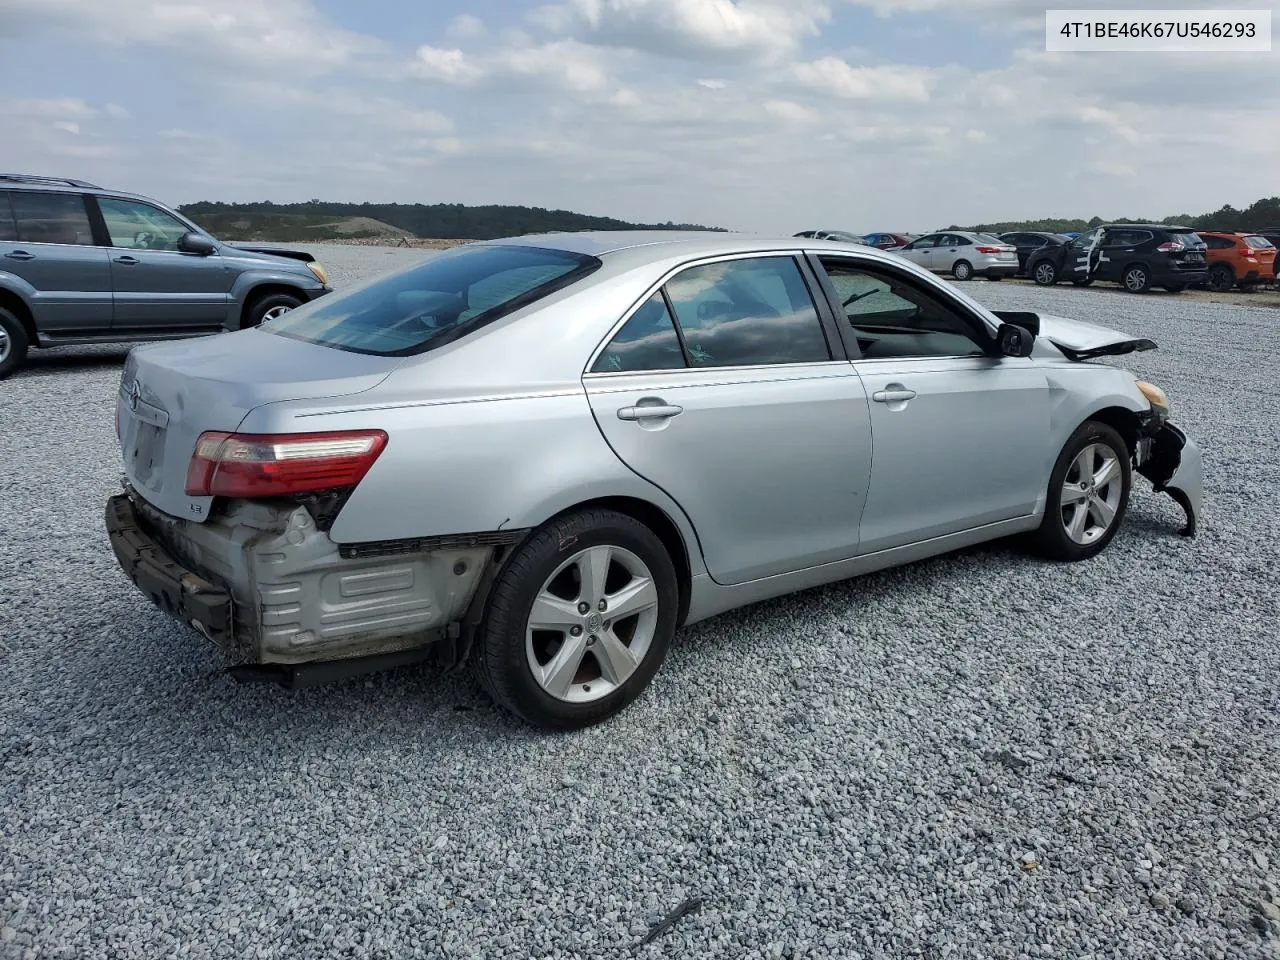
column 1171, row 461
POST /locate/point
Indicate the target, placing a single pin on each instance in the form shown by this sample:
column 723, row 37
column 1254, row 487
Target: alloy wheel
column 1136, row 280
column 591, row 624
column 1044, row 274
column 5, row 345
column 1091, row 493
column 275, row 312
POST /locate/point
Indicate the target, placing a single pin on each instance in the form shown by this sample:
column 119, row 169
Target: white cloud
column 835, row 77
column 465, row 26
column 692, row 29
column 712, row 84
column 67, row 126
column 565, row 64
column 447, row 66
column 791, row 112
column 1110, row 169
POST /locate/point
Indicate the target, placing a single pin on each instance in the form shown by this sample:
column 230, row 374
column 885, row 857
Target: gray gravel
column 979, row 756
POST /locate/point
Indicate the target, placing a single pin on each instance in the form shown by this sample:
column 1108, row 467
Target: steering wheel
column 143, row 240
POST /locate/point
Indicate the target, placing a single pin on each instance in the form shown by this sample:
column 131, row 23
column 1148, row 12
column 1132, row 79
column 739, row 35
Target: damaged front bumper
column 1171, row 461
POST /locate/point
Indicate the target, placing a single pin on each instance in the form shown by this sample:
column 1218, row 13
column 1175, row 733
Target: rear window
column 447, row 297
column 988, row 238
column 1188, row 239
column 1258, row 243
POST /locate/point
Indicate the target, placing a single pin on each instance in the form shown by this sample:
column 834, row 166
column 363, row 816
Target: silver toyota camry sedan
column 540, row 456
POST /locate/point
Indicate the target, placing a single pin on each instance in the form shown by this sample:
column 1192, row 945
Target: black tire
column 1176, row 287
column 962, row 270
column 1136, row 278
column 500, row 659
column 1221, row 279
column 1082, row 283
column 14, row 343
column 270, row 303
column 1044, row 273
column 995, row 278
column 1052, row 539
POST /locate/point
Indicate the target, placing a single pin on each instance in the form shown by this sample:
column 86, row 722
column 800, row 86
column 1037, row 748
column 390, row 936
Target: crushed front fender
column 1173, row 465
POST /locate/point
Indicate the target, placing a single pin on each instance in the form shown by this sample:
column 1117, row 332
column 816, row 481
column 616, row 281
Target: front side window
column 1086, row 240
column 51, row 218
column 140, row 226
column 923, row 243
column 747, row 312
column 432, row 304
column 647, row 341
column 892, row 319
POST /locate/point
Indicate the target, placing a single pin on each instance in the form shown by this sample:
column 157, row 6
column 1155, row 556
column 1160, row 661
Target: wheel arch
column 1121, row 419
column 265, row 289
column 10, row 301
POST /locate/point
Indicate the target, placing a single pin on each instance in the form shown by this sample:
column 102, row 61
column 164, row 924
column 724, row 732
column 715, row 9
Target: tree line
column 445, row 221
column 1261, row 215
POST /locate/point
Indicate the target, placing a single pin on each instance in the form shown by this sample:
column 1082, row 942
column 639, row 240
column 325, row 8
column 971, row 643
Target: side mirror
column 1015, row 341
column 198, row 243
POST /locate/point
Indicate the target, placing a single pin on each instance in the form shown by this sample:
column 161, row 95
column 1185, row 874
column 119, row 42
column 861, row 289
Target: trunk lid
column 1077, row 339
column 170, row 393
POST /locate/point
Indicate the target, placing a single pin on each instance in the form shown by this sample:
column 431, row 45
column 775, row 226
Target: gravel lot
column 978, row 756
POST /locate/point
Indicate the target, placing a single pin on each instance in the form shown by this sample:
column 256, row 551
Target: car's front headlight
column 319, row 272
column 1158, row 399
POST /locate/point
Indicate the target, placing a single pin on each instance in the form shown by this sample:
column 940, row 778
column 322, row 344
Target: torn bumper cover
column 176, row 590
column 1171, row 461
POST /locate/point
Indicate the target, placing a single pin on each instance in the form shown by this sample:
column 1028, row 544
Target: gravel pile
column 979, row 756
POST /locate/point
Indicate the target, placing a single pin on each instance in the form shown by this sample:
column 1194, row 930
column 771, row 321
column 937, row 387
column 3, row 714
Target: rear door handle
column 893, row 396
column 126, row 259
column 20, row 255
column 650, row 411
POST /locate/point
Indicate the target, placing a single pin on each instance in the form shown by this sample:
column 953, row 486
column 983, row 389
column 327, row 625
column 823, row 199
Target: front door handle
column 128, row 260
column 653, row 410
column 20, row 255
column 893, row 395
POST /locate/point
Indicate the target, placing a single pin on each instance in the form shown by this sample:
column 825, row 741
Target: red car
column 1238, row 259
column 888, row 241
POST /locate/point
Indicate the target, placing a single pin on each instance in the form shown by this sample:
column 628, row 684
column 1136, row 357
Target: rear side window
column 1218, row 243
column 8, row 229
column 747, row 312
column 428, row 306
column 647, row 341
column 51, row 218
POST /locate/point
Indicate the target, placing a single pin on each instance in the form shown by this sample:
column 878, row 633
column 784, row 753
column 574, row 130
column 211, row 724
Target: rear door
column 52, row 253
column 155, row 285
column 1119, row 247
column 724, row 389
column 960, row 434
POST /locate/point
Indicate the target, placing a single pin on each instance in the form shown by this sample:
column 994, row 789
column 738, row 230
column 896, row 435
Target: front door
column 920, row 251
column 723, row 390
column 960, row 435
column 47, row 244
column 1083, row 256
column 156, row 284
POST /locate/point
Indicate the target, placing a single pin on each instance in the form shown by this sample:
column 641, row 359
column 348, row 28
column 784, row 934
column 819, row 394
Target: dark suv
column 1138, row 256
column 80, row 264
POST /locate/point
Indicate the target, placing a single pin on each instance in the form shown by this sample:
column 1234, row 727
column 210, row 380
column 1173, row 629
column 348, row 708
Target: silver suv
column 80, row 264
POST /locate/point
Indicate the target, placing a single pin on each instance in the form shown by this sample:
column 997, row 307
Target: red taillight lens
column 1171, row 246
column 994, row 249
column 252, row 465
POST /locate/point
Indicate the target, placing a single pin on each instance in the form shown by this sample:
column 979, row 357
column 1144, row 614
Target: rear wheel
column 1221, row 279
column 1137, row 278
column 1044, row 273
column 269, row 307
column 579, row 620
column 1088, row 494
column 962, row 270
column 13, row 343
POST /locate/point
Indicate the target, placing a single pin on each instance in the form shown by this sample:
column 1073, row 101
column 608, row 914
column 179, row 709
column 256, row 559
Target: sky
column 757, row 115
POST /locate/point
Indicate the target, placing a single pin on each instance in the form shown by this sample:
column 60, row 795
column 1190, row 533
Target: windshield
column 433, row 304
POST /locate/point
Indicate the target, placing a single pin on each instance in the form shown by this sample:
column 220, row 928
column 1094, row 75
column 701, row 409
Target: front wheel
column 963, row 270
column 13, row 343
column 1044, row 273
column 1088, row 494
column 269, row 307
column 579, row 620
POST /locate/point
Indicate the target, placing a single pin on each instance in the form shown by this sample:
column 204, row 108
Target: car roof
column 663, row 243
column 43, row 184
column 1150, row 226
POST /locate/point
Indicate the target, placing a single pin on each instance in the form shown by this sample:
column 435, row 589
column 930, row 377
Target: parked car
column 81, row 264
column 1238, row 259
column 841, row 235
column 1138, row 256
column 888, row 241
column 534, row 454
column 963, row 255
column 1070, row 234
column 1027, row 242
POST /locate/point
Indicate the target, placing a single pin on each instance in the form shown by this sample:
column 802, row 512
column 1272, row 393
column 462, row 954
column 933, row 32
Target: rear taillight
column 1171, row 246
column 249, row 465
column 995, row 249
